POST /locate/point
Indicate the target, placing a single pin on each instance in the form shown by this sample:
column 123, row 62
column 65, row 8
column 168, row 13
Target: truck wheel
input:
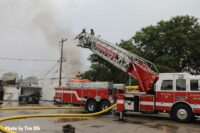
column 105, row 104
column 37, row 100
column 91, row 106
column 182, row 113
column 22, row 101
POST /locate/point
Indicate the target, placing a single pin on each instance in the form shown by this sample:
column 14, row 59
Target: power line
column 44, row 60
column 50, row 70
column 25, row 59
column 57, row 78
column 66, row 61
column 75, row 63
column 72, row 63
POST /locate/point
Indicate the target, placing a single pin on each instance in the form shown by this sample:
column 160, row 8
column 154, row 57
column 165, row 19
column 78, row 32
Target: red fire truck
column 175, row 93
column 93, row 96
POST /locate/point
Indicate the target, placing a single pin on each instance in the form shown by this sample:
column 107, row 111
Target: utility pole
column 61, row 61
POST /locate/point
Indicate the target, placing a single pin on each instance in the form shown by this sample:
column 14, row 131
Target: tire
column 36, row 100
column 91, row 106
column 22, row 101
column 104, row 104
column 182, row 113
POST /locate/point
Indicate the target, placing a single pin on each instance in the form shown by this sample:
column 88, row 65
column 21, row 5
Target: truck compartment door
column 147, row 103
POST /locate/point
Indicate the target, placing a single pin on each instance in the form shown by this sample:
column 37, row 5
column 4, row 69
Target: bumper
column 57, row 100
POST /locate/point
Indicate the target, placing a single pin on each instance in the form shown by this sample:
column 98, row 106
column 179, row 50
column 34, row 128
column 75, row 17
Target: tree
column 173, row 46
column 9, row 76
column 32, row 79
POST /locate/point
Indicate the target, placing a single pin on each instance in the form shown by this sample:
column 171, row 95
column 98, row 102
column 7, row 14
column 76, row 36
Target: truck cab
column 175, row 93
column 178, row 94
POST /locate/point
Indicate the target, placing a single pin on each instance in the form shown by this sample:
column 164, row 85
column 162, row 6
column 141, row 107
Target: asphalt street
column 132, row 123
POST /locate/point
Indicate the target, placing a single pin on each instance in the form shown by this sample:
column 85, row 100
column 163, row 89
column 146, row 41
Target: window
column 180, row 84
column 167, row 85
column 194, row 85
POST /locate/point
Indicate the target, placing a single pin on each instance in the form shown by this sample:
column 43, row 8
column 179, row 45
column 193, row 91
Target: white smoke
column 43, row 22
column 50, row 23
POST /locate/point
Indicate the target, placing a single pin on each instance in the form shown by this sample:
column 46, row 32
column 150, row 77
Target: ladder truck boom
column 143, row 70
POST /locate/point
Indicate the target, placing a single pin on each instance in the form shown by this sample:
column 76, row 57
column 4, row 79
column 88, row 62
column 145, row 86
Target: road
column 132, row 123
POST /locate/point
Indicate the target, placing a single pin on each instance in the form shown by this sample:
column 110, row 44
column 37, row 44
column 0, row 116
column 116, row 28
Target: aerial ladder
column 143, row 70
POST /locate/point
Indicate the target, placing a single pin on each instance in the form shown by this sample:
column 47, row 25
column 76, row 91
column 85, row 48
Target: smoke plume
column 50, row 23
column 44, row 22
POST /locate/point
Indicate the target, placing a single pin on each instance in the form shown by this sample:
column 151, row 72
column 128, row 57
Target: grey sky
column 32, row 28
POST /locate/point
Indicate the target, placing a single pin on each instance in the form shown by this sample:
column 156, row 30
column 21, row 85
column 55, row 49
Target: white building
column 48, row 85
column 12, row 92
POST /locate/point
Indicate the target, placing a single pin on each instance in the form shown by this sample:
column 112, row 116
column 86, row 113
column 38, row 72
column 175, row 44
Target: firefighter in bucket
column 85, row 40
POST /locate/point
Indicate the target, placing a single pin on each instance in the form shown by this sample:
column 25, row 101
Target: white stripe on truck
column 120, row 101
column 70, row 92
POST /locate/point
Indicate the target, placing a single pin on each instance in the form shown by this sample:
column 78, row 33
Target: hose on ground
column 2, row 128
column 38, row 108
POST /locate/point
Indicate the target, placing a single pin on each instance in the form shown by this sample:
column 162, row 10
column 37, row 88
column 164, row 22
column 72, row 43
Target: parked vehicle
column 93, row 96
column 30, row 99
column 175, row 93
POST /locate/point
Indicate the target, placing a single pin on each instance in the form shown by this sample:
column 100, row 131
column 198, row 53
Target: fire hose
column 37, row 108
column 2, row 128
